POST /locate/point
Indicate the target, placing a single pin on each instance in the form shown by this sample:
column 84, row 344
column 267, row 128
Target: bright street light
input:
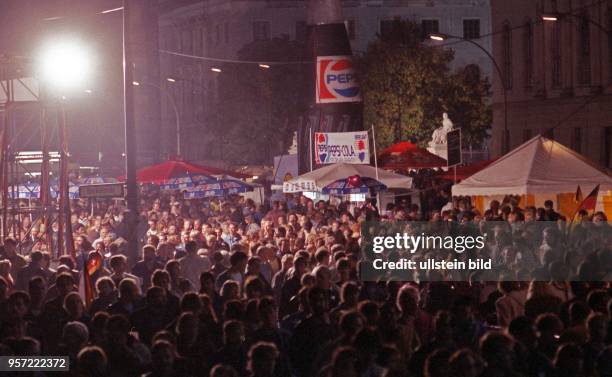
column 64, row 64
column 170, row 79
column 436, row 37
column 218, row 70
column 135, row 83
column 549, row 17
column 266, row 66
column 111, row 10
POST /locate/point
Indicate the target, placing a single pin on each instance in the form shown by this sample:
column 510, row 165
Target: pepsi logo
column 336, row 80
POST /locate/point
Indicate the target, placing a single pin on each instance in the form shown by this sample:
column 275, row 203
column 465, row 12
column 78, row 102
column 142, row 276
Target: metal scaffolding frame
column 19, row 94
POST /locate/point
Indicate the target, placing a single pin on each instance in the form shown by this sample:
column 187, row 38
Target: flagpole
column 378, row 201
column 310, row 146
column 375, row 157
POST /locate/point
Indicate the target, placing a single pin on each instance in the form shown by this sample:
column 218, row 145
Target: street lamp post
column 129, row 117
column 554, row 17
column 506, row 139
column 174, row 107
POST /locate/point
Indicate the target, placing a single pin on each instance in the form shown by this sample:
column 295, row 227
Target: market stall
column 538, row 170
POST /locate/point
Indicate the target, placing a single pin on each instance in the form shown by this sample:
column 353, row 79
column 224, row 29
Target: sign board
column 336, row 80
column 104, row 190
column 453, row 145
column 299, row 186
column 347, row 147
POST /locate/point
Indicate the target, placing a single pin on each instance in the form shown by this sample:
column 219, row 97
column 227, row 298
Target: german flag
column 588, row 204
column 93, row 264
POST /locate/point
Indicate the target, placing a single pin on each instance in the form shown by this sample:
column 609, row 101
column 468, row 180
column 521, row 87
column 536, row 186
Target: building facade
column 555, row 58
column 219, row 28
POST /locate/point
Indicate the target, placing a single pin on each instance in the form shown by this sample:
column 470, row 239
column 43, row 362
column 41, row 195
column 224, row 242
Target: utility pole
column 131, row 196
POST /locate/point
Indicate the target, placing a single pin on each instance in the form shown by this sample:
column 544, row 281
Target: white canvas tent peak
column 538, row 166
column 319, row 178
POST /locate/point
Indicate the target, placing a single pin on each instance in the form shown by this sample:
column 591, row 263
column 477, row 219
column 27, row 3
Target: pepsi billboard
column 336, row 80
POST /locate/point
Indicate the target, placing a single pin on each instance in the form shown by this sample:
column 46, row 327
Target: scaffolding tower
column 33, row 148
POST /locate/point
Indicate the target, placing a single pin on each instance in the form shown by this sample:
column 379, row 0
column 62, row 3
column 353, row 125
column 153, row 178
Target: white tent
column 318, row 179
column 539, row 166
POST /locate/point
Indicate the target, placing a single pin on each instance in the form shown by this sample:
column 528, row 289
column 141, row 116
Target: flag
column 589, row 203
column 93, row 264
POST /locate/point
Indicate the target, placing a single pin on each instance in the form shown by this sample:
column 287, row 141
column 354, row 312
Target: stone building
column 219, row 28
column 555, row 57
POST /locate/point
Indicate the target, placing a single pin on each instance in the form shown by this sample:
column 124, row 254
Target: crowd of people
column 228, row 288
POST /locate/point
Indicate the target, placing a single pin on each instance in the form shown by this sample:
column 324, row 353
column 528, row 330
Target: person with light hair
column 74, row 337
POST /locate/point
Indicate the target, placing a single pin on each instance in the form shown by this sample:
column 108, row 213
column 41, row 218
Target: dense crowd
column 226, row 288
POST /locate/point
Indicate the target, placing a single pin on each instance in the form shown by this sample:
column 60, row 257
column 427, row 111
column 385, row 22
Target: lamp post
column 506, row 139
column 554, row 17
column 129, row 117
column 174, row 107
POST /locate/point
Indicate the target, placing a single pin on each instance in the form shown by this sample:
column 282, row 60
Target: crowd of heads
column 227, row 287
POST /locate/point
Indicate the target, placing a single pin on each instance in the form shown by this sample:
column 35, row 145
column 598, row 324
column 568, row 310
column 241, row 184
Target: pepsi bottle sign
column 336, row 80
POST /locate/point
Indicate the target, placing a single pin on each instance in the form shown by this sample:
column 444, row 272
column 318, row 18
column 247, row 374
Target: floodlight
column 64, row 64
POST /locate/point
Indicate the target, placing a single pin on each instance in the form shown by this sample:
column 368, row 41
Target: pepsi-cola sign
column 346, row 147
column 336, row 80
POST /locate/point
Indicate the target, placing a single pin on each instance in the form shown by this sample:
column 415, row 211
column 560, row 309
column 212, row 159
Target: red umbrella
column 405, row 155
column 465, row 171
column 178, row 168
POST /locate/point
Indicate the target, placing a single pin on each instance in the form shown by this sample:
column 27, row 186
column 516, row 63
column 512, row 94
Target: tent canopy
column 405, row 155
column 538, row 166
column 178, row 168
column 465, row 171
column 318, row 179
column 221, row 187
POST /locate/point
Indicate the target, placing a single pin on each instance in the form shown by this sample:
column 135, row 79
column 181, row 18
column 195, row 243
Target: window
column 610, row 44
column 556, row 54
column 186, row 41
column 577, row 140
column 429, row 27
column 386, row 27
column 217, row 35
column 471, row 29
column 528, row 53
column 301, row 31
column 584, row 51
column 507, row 54
column 606, row 148
column 209, row 37
column 527, row 134
column 205, row 41
column 197, row 40
column 350, row 28
column 261, row 30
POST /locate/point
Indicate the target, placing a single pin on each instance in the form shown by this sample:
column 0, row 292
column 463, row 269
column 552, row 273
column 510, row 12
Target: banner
column 299, row 186
column 336, row 80
column 347, row 147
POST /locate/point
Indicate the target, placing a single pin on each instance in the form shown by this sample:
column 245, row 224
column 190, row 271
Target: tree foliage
column 258, row 107
column 407, row 85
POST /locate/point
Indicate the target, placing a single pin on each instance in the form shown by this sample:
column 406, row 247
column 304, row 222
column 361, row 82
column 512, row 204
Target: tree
column 257, row 106
column 407, row 85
